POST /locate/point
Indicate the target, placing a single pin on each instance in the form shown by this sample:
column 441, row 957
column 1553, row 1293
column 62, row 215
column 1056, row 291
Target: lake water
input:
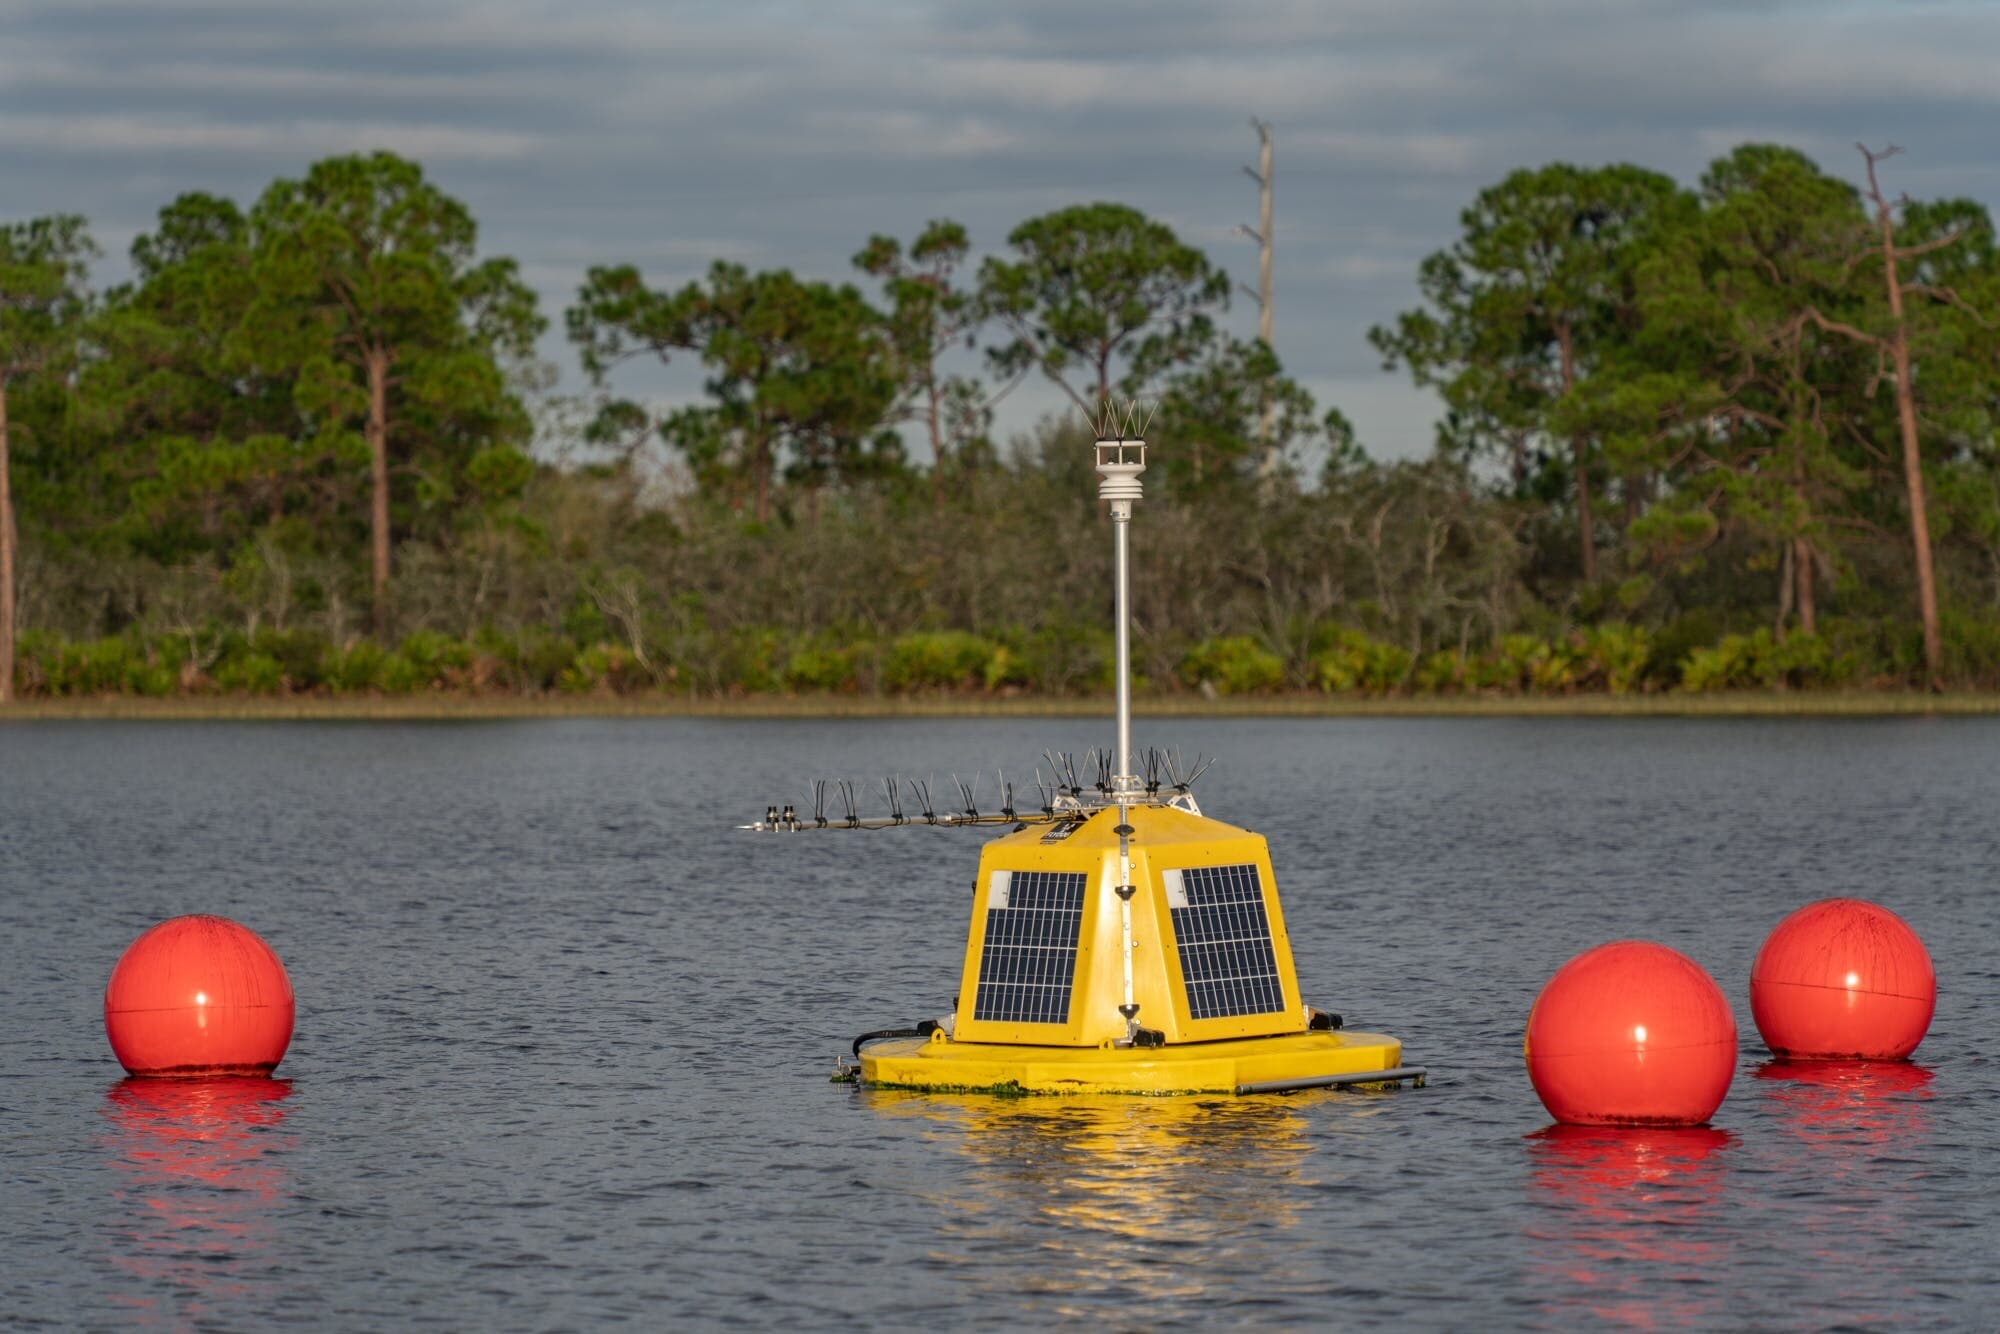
column 564, row 1037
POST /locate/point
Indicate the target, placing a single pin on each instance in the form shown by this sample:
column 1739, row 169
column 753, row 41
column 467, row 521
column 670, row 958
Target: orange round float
column 1631, row 1033
column 1843, row 978
column 199, row 995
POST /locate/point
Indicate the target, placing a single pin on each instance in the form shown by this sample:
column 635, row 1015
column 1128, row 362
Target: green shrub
column 947, row 659
column 93, row 667
column 359, row 667
column 1676, row 639
column 1611, row 657
column 300, row 654
column 820, row 666
column 44, row 664
column 1759, row 661
column 753, row 663
column 1526, row 664
column 538, row 661
column 427, row 660
column 1063, row 659
column 1359, row 662
column 1971, row 648
column 1440, row 673
column 605, row 669
column 249, row 672
column 1233, row 665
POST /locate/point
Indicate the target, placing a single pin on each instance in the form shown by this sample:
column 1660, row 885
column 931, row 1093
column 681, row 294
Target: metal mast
column 1121, row 457
column 1120, row 460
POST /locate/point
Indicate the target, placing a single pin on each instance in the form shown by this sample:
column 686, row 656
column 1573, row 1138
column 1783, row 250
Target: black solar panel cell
column 1224, row 941
column 1027, row 963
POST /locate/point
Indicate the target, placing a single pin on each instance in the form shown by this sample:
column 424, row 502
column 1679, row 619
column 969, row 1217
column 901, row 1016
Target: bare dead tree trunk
column 1581, row 449
column 1267, row 462
column 6, row 560
column 376, row 362
column 1906, row 420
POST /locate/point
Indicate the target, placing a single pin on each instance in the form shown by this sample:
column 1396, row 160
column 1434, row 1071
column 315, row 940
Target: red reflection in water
column 1855, row 1102
column 1624, row 1216
column 201, row 1161
column 1850, row 1154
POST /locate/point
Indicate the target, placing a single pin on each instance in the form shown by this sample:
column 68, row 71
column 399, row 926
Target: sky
column 668, row 135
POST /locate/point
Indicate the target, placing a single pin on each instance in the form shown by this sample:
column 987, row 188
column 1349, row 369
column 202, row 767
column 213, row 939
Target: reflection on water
column 1626, row 1221
column 1112, row 1200
column 1854, row 1140
column 201, row 1177
column 1860, row 1104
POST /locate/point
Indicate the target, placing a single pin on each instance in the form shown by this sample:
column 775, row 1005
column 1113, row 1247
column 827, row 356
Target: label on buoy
column 997, row 886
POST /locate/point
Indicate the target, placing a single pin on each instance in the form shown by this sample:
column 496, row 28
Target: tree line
column 1736, row 435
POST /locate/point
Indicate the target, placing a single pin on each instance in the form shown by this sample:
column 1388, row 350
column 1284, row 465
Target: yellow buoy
column 1120, row 941
column 1217, row 1005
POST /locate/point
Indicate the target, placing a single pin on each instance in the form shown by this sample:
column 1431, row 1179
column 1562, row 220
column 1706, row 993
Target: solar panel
column 1028, row 962
column 1224, row 940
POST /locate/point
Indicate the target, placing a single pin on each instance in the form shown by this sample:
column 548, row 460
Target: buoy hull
column 1631, row 1034
column 941, row 1065
column 1843, row 979
column 199, row 996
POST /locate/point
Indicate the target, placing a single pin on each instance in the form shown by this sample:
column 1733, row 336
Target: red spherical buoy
column 198, row 995
column 1631, row 1034
column 1843, row 979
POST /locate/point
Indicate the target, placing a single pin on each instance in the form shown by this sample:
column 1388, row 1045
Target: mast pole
column 1119, row 462
column 1121, row 528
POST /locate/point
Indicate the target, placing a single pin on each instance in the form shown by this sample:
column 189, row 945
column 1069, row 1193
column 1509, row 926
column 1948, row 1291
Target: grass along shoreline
column 446, row 707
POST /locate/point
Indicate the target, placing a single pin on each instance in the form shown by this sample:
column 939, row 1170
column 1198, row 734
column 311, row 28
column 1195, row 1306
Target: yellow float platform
column 1213, row 1005
column 1248, row 1065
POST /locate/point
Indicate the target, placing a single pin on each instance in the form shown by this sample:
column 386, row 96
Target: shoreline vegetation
column 1737, row 439
column 471, row 708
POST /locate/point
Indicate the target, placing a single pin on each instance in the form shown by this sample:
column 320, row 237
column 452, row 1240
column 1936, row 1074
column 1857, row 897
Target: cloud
column 785, row 131
column 126, row 135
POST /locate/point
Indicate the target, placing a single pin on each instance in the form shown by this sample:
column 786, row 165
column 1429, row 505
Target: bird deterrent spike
column 847, row 800
column 892, row 787
column 1055, row 769
column 1124, row 421
column 819, row 803
column 922, row 792
column 1202, row 764
column 1006, row 794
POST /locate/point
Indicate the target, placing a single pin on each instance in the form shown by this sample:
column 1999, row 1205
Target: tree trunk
column 376, row 361
column 760, row 467
column 1802, row 564
column 1582, row 451
column 1906, row 422
column 1787, row 582
column 937, row 446
column 1583, row 516
column 1913, row 465
column 6, row 561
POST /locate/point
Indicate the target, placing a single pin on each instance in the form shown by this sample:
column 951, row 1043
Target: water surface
column 564, row 1038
